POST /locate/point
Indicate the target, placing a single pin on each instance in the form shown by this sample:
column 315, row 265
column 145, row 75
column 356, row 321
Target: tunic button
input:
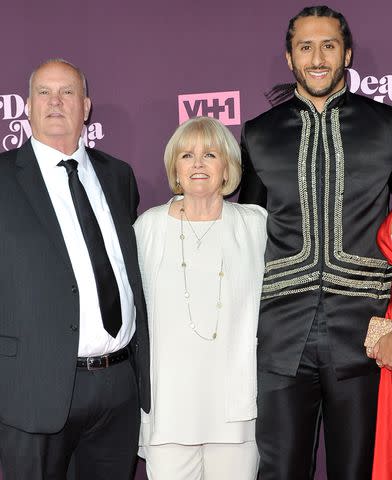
column 73, row 327
column 74, row 289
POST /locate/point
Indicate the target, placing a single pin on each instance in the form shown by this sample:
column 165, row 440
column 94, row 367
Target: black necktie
column 108, row 294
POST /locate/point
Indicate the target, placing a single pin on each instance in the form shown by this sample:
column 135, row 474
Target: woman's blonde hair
column 214, row 135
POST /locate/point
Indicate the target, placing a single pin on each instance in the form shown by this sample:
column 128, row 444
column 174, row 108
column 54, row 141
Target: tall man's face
column 58, row 106
column 318, row 57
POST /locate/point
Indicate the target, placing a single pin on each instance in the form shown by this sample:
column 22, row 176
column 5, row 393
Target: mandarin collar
column 336, row 100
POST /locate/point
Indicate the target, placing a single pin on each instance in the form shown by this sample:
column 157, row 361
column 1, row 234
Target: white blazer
column 243, row 257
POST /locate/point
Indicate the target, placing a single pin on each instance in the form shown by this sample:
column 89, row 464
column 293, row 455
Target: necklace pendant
column 198, row 243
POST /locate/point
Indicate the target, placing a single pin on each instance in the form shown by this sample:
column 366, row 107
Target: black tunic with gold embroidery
column 325, row 180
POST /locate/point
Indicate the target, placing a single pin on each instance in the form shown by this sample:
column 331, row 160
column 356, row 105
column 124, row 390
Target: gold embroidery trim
column 339, row 193
column 290, row 292
column 350, row 293
column 361, row 284
column 303, row 196
column 293, row 281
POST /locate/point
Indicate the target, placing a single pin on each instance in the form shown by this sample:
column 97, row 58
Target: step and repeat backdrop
column 151, row 65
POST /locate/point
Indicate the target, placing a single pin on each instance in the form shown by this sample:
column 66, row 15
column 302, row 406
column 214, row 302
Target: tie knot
column 69, row 165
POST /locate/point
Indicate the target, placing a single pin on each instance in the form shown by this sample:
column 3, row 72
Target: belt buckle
column 90, row 362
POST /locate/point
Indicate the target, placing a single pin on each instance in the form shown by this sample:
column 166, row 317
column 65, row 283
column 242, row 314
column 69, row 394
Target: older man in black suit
column 73, row 333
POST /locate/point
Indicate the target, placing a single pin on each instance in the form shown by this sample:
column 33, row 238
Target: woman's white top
column 202, row 391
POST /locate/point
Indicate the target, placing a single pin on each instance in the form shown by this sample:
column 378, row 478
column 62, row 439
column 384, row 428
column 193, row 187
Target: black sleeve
column 134, row 195
column 252, row 188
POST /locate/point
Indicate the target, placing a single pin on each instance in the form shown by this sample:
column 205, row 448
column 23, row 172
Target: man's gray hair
column 65, row 62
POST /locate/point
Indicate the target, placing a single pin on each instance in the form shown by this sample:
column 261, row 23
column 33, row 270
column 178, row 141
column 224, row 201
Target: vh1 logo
column 224, row 106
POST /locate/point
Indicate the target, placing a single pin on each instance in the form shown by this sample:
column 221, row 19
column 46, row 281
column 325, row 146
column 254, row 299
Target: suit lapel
column 118, row 201
column 32, row 183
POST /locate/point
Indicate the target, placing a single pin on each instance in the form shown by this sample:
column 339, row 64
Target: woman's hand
column 382, row 351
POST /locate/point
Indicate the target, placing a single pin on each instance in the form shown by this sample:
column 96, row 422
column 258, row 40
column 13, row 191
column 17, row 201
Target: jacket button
column 73, row 327
column 74, row 289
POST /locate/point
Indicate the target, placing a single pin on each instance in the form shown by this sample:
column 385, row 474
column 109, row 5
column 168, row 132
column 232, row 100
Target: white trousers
column 209, row 461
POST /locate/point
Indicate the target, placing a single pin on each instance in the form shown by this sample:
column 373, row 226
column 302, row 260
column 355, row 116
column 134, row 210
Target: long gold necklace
column 187, row 294
column 198, row 238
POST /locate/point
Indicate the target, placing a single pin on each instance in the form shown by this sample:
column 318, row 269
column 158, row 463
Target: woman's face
column 201, row 171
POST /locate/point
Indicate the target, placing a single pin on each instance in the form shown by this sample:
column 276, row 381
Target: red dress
column 382, row 464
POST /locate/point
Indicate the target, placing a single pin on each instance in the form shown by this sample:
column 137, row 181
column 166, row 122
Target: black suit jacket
column 324, row 179
column 39, row 300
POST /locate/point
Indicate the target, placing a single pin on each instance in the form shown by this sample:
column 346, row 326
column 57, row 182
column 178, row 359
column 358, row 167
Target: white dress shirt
column 93, row 338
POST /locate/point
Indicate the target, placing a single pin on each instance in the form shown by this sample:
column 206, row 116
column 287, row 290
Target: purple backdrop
column 150, row 63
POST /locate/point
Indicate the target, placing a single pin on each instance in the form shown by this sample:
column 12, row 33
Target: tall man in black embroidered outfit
column 72, row 315
column 320, row 163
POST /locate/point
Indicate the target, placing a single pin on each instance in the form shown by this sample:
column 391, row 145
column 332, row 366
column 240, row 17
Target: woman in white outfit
column 202, row 266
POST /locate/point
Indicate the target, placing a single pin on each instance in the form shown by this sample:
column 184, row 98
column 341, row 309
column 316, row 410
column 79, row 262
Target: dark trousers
column 290, row 409
column 102, row 432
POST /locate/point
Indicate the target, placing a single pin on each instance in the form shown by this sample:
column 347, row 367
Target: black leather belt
column 103, row 361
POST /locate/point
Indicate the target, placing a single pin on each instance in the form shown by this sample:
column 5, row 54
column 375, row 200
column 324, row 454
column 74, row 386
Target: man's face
column 57, row 106
column 318, row 57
